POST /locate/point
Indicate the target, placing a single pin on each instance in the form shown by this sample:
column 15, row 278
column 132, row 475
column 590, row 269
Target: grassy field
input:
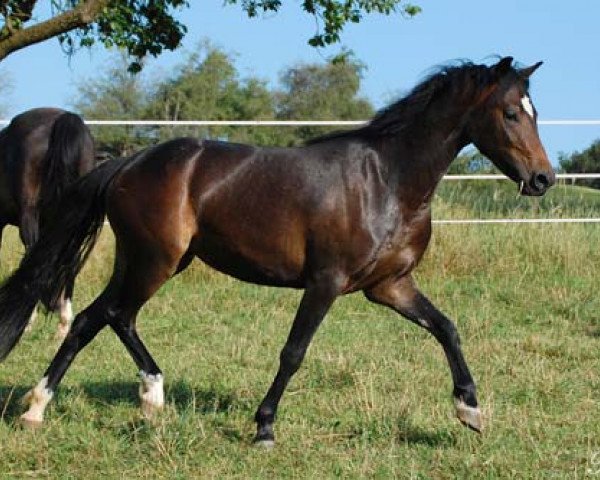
column 373, row 398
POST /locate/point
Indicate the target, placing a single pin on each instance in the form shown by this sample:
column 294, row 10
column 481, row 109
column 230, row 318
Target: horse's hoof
column 469, row 416
column 265, row 443
column 29, row 423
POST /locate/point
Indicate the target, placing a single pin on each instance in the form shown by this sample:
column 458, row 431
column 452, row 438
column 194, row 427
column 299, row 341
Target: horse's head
column 503, row 126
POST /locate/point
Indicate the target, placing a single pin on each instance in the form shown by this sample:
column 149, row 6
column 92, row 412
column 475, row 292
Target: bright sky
column 397, row 52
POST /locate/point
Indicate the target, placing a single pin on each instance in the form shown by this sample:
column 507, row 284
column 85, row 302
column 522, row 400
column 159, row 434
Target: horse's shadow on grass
column 11, row 405
column 415, row 435
column 199, row 401
column 180, row 394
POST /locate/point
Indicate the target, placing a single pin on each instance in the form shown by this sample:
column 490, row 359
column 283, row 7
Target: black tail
column 58, row 255
column 66, row 145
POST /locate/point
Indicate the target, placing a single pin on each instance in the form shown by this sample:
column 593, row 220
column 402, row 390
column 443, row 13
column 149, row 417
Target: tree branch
column 80, row 16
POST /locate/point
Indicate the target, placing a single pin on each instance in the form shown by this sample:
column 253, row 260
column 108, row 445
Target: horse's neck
column 423, row 152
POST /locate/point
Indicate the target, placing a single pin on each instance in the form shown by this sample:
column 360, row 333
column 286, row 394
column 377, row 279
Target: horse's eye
column 511, row 114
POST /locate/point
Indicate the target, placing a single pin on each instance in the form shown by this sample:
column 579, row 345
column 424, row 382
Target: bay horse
column 347, row 212
column 42, row 150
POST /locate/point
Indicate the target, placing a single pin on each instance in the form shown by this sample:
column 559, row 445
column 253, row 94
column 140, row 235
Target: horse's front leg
column 315, row 303
column 403, row 296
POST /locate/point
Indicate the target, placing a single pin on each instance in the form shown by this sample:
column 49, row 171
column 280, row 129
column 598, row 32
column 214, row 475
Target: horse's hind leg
column 29, row 232
column 65, row 310
column 29, row 225
column 85, row 327
column 143, row 275
column 132, row 284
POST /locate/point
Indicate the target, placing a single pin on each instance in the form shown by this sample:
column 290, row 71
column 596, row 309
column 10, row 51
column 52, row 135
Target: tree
column 147, row 27
column 117, row 93
column 207, row 86
column 331, row 15
column 140, row 27
column 470, row 162
column 327, row 92
column 586, row 161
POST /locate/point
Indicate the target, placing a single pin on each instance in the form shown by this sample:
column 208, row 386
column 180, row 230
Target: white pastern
column 66, row 317
column 66, row 312
column 151, row 393
column 38, row 399
column 527, row 105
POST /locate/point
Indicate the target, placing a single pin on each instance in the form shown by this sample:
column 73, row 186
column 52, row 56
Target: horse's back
column 229, row 204
column 264, row 215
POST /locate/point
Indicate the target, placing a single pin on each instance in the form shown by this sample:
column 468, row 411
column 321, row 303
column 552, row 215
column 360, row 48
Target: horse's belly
column 263, row 265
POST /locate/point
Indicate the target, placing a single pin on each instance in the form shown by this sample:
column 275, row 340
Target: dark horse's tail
column 67, row 142
column 58, row 255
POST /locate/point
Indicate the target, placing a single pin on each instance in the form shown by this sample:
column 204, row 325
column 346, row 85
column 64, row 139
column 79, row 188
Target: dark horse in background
column 347, row 212
column 41, row 152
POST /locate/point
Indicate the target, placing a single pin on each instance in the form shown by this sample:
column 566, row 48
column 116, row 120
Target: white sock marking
column 66, row 312
column 527, row 105
column 151, row 390
column 38, row 399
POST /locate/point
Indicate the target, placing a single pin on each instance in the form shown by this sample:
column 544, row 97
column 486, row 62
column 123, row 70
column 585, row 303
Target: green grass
column 499, row 198
column 373, row 398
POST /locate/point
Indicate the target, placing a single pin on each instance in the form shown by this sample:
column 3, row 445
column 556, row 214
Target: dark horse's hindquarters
column 41, row 152
column 347, row 212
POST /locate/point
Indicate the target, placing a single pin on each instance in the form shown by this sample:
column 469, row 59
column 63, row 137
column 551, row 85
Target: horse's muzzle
column 539, row 183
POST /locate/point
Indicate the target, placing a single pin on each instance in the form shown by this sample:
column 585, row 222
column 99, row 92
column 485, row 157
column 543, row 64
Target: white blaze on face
column 527, row 105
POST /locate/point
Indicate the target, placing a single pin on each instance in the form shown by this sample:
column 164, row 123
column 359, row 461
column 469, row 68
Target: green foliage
column 208, row 87
column 332, row 15
column 147, row 27
column 322, row 92
column 139, row 27
column 115, row 93
column 586, row 161
column 500, row 199
column 471, row 162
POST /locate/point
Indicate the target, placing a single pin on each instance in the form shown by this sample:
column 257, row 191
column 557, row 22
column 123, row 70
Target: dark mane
column 460, row 79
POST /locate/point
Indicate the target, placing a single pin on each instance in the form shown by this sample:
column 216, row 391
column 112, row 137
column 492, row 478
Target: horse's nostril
column 541, row 181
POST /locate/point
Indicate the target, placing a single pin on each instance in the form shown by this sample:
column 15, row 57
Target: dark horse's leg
column 29, row 232
column 403, row 296
column 85, row 327
column 117, row 306
column 315, row 303
column 29, row 225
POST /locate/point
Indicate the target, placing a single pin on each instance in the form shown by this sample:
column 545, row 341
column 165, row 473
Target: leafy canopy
column 586, row 161
column 332, row 15
column 207, row 86
column 147, row 27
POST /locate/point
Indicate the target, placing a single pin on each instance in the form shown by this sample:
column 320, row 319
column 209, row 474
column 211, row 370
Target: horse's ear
column 527, row 71
column 503, row 67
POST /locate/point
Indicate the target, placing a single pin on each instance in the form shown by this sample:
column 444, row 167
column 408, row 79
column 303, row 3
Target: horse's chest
column 398, row 255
